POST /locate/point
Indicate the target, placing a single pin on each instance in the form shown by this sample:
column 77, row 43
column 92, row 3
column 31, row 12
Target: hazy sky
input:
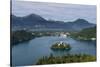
column 55, row 11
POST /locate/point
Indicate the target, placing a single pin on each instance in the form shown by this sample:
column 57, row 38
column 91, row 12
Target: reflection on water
column 29, row 52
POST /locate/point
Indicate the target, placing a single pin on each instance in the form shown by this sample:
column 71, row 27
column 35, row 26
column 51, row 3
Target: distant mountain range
column 34, row 21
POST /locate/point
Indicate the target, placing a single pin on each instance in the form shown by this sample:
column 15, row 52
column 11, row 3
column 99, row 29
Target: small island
column 61, row 46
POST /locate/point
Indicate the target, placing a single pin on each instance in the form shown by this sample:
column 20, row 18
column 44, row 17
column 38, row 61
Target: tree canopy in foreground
column 66, row 59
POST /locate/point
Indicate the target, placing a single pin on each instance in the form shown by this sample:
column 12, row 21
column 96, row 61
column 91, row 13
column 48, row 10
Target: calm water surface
column 28, row 53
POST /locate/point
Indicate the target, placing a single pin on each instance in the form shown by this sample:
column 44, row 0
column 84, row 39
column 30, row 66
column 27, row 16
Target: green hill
column 86, row 34
column 20, row 36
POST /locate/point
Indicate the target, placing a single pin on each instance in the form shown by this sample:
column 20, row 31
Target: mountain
column 34, row 21
column 80, row 24
column 29, row 20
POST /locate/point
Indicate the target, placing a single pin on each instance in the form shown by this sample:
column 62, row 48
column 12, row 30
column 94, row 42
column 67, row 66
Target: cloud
column 63, row 12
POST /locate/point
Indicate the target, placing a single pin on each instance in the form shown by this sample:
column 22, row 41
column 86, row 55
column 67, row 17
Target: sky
column 55, row 11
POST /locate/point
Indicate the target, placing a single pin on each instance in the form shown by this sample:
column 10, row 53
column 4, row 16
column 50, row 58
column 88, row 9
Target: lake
column 28, row 53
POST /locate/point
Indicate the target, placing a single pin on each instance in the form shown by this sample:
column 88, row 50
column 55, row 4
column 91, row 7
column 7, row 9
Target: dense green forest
column 20, row 36
column 24, row 35
column 66, row 59
column 85, row 34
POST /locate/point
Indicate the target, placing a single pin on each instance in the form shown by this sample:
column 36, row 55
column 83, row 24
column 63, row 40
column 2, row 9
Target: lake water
column 28, row 53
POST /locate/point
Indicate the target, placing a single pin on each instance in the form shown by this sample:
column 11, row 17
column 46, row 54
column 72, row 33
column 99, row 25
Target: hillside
column 34, row 21
column 86, row 34
column 20, row 36
column 65, row 59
